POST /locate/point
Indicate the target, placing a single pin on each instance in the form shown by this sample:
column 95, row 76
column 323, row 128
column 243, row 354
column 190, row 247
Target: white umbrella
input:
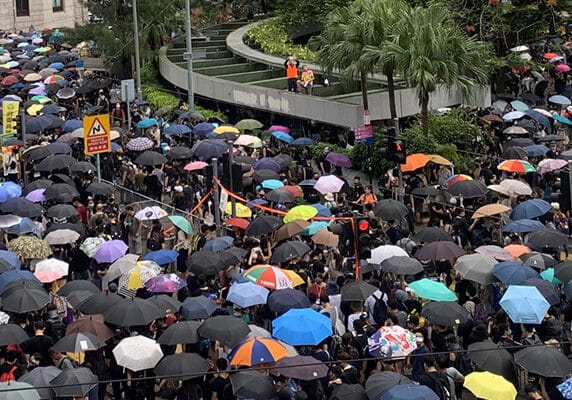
column 121, row 266
column 151, row 213
column 381, row 253
column 477, row 268
column 137, row 353
column 516, row 187
column 329, row 184
column 14, row 390
column 511, row 116
column 256, row 331
column 53, row 265
column 526, row 56
column 9, row 220
column 61, row 237
column 519, row 49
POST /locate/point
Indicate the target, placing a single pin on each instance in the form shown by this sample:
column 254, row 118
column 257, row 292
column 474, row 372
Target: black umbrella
column 55, row 162
column 380, row 382
column 522, row 142
column 445, row 313
column 563, row 271
column 546, row 238
column 264, row 174
column 77, row 297
column 205, row 262
column 99, row 303
column 180, row 333
column 30, row 284
column 61, row 193
column 515, row 153
column 133, row 312
column 61, row 178
column 10, row 206
column 224, row 327
column 11, row 334
column 22, row 298
column 349, row 392
column 76, row 227
column 389, row 209
column 426, row 191
column 78, row 342
column 165, row 302
column 233, row 255
column 150, row 157
column 83, row 166
column 262, row 225
column 252, row 385
column 439, row 251
column 402, row 265
column 179, row 153
column 182, row 365
column 199, row 307
column 357, row 291
column 538, row 260
column 432, row 234
column 551, row 138
column 280, row 301
column 37, row 153
column 61, row 211
column 468, row 189
column 205, row 150
column 544, row 361
column 289, row 250
column 40, row 378
column 493, row 358
column 546, row 288
column 280, row 196
column 37, row 184
column 74, row 382
column 305, row 368
column 100, row 188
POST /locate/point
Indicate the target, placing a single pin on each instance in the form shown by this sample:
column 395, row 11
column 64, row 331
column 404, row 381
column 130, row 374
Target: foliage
column 299, row 12
column 318, row 149
column 208, row 113
column 362, row 155
column 273, row 38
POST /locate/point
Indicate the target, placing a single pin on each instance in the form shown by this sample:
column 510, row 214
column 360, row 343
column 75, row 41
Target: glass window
column 57, row 5
column 22, row 8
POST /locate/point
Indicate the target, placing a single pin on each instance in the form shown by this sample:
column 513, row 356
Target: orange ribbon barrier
column 200, row 203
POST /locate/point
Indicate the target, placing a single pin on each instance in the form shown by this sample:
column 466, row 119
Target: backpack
column 9, row 376
column 480, row 312
column 442, row 385
column 379, row 310
column 408, row 245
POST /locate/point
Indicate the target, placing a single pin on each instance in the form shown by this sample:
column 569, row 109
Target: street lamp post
column 189, row 55
column 137, row 55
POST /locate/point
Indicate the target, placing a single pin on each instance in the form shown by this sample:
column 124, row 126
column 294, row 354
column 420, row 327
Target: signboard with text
column 97, row 138
column 364, row 134
column 10, row 111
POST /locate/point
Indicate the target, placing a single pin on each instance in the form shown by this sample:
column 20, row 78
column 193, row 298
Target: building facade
column 26, row 15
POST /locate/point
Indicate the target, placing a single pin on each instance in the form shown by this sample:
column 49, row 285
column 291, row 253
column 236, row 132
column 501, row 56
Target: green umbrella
column 248, row 125
column 182, row 223
column 432, row 290
column 548, row 275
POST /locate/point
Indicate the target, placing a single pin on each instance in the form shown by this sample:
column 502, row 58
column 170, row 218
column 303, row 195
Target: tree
column 430, row 51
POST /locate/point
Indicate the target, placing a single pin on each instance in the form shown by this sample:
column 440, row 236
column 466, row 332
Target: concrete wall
column 42, row 16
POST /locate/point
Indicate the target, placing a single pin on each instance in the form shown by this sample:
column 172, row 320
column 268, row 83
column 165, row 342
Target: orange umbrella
column 414, row 162
column 517, row 249
column 489, row 210
column 548, row 56
column 236, row 222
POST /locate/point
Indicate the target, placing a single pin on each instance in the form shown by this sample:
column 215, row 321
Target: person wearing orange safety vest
column 291, row 65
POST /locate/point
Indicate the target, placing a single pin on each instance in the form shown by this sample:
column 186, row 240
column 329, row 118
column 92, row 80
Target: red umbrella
column 236, row 222
column 295, row 190
column 563, row 68
column 10, row 80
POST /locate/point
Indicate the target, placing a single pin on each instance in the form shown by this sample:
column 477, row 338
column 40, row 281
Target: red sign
column 96, row 134
column 363, row 132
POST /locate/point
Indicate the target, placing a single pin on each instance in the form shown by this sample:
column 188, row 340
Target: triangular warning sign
column 96, row 128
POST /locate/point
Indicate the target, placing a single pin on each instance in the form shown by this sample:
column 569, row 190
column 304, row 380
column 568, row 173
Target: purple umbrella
column 36, row 196
column 110, row 251
column 329, row 184
column 37, row 91
column 279, row 128
column 165, row 283
column 339, row 160
column 267, row 163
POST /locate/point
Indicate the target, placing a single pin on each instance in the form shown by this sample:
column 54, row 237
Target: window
column 22, row 8
column 57, row 5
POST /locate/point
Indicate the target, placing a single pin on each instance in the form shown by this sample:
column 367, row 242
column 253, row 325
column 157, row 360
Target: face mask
column 419, row 339
column 90, row 204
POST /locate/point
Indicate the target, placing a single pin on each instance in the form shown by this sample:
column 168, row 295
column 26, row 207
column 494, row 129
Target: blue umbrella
column 218, row 244
column 247, row 294
column 177, row 130
column 26, row 225
column 284, row 137
column 299, row 327
column 303, row 141
column 56, row 65
column 267, row 163
column 409, row 391
column 536, row 150
column 9, row 190
column 323, row 211
column 260, row 202
column 524, row 304
column 539, row 118
column 203, row 128
column 314, row 227
column 146, row 123
column 12, row 258
column 560, row 100
column 51, row 109
column 71, row 125
column 518, row 105
column 38, row 124
column 280, row 301
column 8, row 277
column 272, row 184
column 115, row 146
column 514, row 272
column 308, row 182
column 206, row 150
column 523, row 226
column 531, row 209
column 162, row 256
column 562, row 119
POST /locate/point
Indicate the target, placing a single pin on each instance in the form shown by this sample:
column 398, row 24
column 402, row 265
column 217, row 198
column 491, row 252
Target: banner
column 10, row 111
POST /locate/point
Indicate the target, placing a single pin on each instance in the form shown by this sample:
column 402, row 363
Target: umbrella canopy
column 546, row 238
column 491, row 357
column 514, row 272
column 530, row 209
column 432, row 234
column 18, row 391
column 389, row 209
column 247, row 294
column 516, row 250
column 61, row 193
column 550, row 164
column 12, row 334
column 74, row 382
column 357, row 291
column 100, row 188
column 410, row 391
column 182, row 223
column 195, row 166
column 73, row 286
column 252, row 385
column 280, row 301
column 329, row 184
column 515, row 153
column 347, row 391
column 182, row 365
column 150, row 158
column 224, row 327
column 445, row 313
column 140, row 144
column 477, row 268
column 166, row 303
column 280, row 196
column 432, row 290
column 490, row 210
column 485, row 385
column 255, row 351
column 538, row 260
column 379, row 383
column 442, row 250
column 523, row 226
column 162, row 257
column 23, row 296
column 78, row 342
column 218, row 244
column 92, row 324
column 272, row 277
column 290, row 229
column 133, row 312
column 518, row 166
column 61, row 237
column 339, row 160
column 562, row 271
column 205, row 262
column 284, row 137
column 300, row 327
column 305, row 368
column 99, row 303
column 402, row 265
column 165, row 283
column 468, row 189
column 197, row 308
column 524, row 304
column 544, row 361
column 391, row 341
column 289, row 250
column 110, row 251
column 182, row 332
column 383, row 252
column 137, row 353
column 40, row 378
column 326, row 238
column 248, row 125
column 29, row 247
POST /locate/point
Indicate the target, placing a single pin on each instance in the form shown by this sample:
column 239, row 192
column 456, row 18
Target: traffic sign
column 127, row 90
column 97, row 138
column 363, row 133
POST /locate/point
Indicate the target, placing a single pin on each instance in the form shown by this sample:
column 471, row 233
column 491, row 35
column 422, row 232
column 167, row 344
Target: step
column 278, row 82
column 230, row 69
column 216, row 62
column 253, row 76
column 209, row 43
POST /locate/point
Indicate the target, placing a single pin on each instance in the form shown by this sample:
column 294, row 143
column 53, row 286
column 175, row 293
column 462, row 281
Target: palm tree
column 429, row 49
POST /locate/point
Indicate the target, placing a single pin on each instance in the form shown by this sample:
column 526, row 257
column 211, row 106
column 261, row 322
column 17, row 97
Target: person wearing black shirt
column 39, row 343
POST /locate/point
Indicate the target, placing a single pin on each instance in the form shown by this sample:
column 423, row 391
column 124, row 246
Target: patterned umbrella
column 30, row 247
column 519, row 166
column 165, row 283
column 272, row 277
column 140, row 144
column 257, row 351
column 90, row 245
column 391, row 341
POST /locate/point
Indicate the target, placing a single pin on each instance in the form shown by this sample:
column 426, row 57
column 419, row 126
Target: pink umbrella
column 494, row 251
column 329, row 184
column 550, row 164
column 47, row 276
column 195, row 165
column 563, row 68
column 543, row 111
column 279, row 128
column 36, row 196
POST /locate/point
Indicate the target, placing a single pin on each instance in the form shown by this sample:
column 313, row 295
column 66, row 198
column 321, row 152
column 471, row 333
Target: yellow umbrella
column 226, row 129
column 300, row 212
column 114, row 135
column 34, row 109
column 490, row 210
column 437, row 159
column 487, row 386
column 241, row 210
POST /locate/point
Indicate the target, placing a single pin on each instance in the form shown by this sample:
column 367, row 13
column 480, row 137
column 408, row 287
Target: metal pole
column 400, row 174
column 188, row 38
column 216, row 196
column 98, row 167
column 231, row 181
column 136, row 43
